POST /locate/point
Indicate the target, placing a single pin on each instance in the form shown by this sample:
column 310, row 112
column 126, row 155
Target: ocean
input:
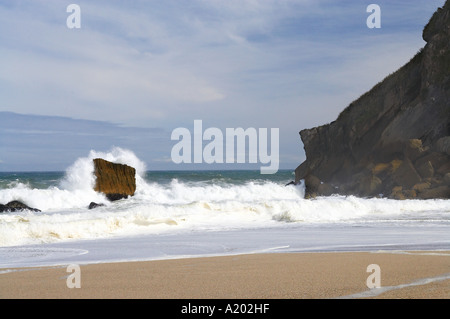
column 181, row 214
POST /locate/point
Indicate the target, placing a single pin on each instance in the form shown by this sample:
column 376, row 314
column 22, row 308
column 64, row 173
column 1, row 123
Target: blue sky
column 136, row 70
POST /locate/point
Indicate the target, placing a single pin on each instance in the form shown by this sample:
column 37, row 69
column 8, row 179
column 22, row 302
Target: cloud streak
column 290, row 64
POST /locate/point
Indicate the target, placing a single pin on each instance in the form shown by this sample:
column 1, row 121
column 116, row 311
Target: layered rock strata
column 394, row 141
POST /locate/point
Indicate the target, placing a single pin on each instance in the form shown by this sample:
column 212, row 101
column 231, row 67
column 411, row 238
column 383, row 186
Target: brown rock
column 370, row 185
column 426, row 169
column 380, row 168
column 438, row 192
column 421, row 187
column 406, row 175
column 312, row 184
column 410, row 193
column 397, row 189
column 399, row 196
column 444, row 168
column 443, row 145
column 116, row 181
column 435, row 158
column 395, row 164
column 414, row 149
column 397, row 193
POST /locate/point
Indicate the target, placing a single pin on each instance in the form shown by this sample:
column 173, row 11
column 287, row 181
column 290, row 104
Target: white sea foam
column 75, row 190
column 181, row 206
column 80, row 174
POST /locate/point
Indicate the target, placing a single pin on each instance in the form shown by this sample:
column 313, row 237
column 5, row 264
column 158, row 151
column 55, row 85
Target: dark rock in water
column 116, row 181
column 395, row 139
column 15, row 206
column 93, row 205
column 115, row 196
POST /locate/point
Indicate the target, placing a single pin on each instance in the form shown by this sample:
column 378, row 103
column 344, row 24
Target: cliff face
column 116, row 181
column 394, row 140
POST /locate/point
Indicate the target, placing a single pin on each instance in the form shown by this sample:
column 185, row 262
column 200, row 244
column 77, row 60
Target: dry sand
column 255, row 276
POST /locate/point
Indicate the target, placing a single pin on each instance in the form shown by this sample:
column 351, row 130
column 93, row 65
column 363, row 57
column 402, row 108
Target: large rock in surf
column 116, row 181
column 15, row 205
column 395, row 139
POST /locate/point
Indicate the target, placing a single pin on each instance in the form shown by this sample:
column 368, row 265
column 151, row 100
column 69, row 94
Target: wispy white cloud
column 97, row 68
column 290, row 64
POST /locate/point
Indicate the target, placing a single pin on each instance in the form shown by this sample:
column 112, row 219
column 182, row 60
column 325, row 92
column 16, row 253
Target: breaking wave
column 183, row 204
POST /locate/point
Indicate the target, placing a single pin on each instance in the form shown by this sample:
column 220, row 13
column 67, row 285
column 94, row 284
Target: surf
column 196, row 201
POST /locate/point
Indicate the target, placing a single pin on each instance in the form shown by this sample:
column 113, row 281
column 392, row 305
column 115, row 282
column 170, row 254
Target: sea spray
column 81, row 174
column 76, row 189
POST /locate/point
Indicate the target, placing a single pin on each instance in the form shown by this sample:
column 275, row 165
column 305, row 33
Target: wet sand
column 254, row 276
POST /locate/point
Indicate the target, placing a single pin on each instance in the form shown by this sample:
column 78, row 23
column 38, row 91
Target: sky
column 136, row 70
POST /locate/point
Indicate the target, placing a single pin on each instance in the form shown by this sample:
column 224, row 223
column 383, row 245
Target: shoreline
column 304, row 275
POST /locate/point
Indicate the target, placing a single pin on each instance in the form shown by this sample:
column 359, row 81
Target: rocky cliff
column 116, row 181
column 394, row 140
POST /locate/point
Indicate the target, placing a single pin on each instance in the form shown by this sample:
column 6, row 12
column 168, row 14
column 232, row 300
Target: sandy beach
column 255, row 276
